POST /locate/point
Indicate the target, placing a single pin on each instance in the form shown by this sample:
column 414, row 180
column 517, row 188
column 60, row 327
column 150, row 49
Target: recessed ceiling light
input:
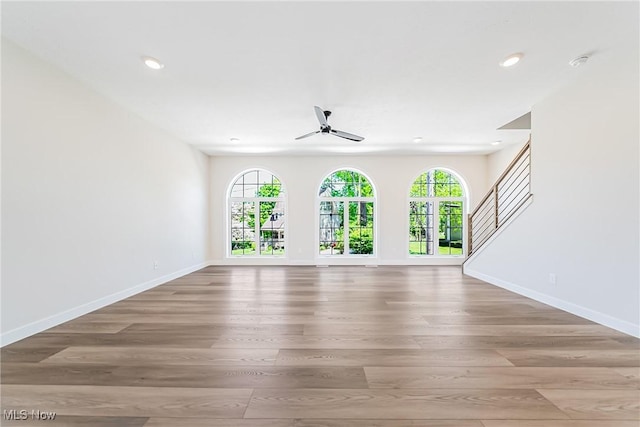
column 234, row 139
column 511, row 60
column 579, row 61
column 496, row 143
column 152, row 63
column 417, row 139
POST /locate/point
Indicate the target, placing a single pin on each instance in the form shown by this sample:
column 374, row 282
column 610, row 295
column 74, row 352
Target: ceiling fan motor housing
column 327, row 128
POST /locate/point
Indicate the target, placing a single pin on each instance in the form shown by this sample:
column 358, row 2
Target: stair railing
column 510, row 192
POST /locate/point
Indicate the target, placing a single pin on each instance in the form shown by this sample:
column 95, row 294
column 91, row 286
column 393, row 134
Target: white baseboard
column 56, row 319
column 434, row 261
column 500, row 230
column 338, row 261
column 586, row 313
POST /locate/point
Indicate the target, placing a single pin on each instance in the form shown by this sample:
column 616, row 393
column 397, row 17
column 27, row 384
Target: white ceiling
column 389, row 71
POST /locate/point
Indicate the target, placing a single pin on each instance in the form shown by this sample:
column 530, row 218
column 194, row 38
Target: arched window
column 346, row 214
column 436, row 214
column 257, row 215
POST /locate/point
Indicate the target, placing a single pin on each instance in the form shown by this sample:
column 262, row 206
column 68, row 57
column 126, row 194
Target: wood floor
column 325, row 347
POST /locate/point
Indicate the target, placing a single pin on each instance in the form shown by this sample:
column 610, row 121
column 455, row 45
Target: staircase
column 510, row 193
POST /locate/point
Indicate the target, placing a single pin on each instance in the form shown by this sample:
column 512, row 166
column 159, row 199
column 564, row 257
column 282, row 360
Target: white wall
column 91, row 196
column 302, row 176
column 583, row 223
column 497, row 162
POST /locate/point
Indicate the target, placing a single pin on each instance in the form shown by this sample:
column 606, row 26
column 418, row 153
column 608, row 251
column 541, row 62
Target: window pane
column 331, row 228
column 445, row 184
column 361, row 228
column 442, row 189
column 450, row 228
column 264, row 177
column 238, row 189
column 250, row 190
column 325, row 188
column 251, row 177
column 243, row 228
column 268, row 185
column 421, row 236
column 339, row 189
column 441, row 177
column 430, row 183
column 350, row 179
column 271, row 228
column 419, row 187
column 332, row 187
column 268, row 190
column 366, row 190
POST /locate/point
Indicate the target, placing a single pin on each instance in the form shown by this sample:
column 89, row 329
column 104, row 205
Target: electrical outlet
column 155, row 265
column 552, row 278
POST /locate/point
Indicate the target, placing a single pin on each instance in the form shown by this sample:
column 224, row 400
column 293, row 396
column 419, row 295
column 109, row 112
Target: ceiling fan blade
column 347, row 135
column 321, row 117
column 308, row 135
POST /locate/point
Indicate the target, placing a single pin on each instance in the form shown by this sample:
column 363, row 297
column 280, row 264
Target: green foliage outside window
column 361, row 241
column 268, row 190
column 346, row 183
column 436, row 183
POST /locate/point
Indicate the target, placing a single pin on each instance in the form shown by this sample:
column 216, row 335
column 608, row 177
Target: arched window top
column 437, row 183
column 257, row 183
column 346, row 183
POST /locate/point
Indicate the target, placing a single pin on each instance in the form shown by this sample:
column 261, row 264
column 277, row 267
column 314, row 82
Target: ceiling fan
column 325, row 128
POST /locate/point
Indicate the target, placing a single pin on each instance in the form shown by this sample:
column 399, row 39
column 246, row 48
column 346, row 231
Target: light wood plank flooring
column 325, row 347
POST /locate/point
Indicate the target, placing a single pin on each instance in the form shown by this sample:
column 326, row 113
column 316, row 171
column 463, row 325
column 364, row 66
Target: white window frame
column 345, row 219
column 256, row 201
column 436, row 216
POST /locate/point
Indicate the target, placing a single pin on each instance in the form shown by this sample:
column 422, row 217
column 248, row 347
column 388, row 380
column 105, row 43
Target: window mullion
column 256, row 225
column 436, row 228
column 345, row 221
